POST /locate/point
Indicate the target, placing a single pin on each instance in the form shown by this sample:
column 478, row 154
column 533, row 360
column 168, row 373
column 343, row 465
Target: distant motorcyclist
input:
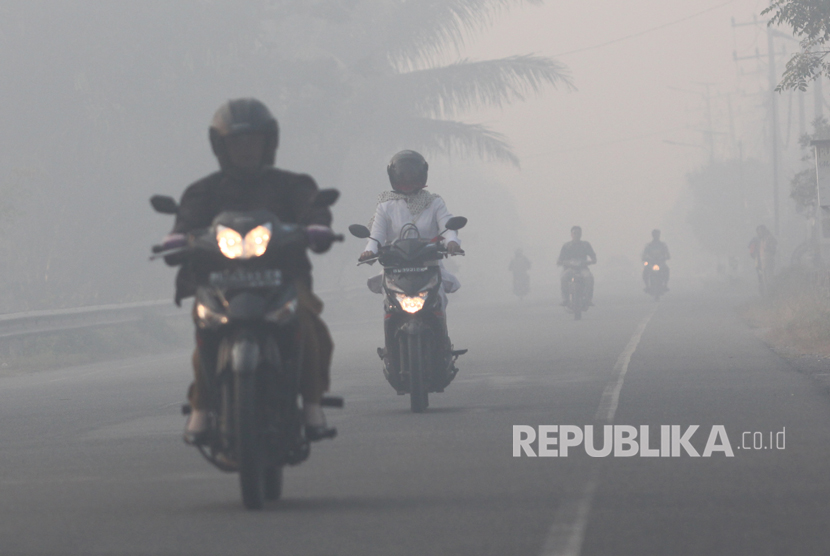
column 409, row 203
column 575, row 256
column 656, row 252
column 244, row 136
column 762, row 249
column 519, row 266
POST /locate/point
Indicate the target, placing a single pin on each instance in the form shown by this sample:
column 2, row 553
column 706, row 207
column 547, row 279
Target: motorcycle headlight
column 411, row 304
column 233, row 246
column 656, row 267
column 230, row 242
column 645, row 263
column 256, row 241
column 205, row 316
column 283, row 313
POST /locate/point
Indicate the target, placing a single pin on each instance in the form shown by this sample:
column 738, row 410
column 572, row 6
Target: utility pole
column 773, row 82
column 708, row 133
column 773, row 112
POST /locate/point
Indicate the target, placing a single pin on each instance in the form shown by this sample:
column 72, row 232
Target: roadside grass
column 795, row 318
column 80, row 346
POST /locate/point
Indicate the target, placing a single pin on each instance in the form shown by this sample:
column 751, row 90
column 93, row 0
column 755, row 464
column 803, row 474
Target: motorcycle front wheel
column 576, row 300
column 273, row 482
column 247, row 442
column 418, row 395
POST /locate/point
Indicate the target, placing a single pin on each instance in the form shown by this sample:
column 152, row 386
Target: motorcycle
column 655, row 277
column 577, row 302
column 246, row 314
column 418, row 357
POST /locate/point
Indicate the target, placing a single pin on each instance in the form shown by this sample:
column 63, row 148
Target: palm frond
column 448, row 90
column 419, row 30
column 452, row 138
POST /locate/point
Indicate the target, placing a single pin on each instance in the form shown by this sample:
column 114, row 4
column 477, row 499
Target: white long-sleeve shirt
column 392, row 216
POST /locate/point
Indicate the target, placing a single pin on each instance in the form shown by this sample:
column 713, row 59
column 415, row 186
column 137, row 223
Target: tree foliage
column 810, row 21
column 108, row 103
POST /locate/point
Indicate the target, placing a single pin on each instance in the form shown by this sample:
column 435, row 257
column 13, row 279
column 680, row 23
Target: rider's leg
column 204, row 357
column 589, row 286
column 316, row 361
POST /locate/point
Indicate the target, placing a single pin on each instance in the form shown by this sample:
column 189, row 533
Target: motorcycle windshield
column 412, row 280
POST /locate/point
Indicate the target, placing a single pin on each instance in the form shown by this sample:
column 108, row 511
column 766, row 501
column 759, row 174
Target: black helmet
column 244, row 115
column 407, row 167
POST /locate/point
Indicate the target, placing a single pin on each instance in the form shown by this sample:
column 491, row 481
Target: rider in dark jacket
column 581, row 254
column 656, row 252
column 244, row 136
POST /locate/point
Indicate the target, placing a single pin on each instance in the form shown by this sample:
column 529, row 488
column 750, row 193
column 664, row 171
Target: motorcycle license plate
column 246, row 279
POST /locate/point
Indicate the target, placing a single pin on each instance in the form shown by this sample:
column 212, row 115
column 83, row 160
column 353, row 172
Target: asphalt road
column 92, row 463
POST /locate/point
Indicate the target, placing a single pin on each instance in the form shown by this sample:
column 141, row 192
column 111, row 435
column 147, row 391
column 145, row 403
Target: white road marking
column 611, row 396
column 567, row 533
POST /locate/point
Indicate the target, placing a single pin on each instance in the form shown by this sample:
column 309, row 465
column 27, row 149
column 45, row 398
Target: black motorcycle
column 246, row 314
column 655, row 278
column 577, row 302
column 418, row 357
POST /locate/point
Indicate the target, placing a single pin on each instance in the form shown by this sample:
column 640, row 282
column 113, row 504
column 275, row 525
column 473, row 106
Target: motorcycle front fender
column 245, row 356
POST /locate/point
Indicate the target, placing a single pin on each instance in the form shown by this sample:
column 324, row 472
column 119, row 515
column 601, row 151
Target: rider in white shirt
column 409, row 203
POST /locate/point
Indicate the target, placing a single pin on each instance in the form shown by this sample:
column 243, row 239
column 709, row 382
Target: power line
column 641, row 33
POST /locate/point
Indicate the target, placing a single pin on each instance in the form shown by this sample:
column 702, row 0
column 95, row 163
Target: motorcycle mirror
column 456, row 223
column 326, row 197
column 358, row 230
column 164, row 204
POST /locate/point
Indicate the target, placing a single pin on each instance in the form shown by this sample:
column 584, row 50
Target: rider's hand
column 365, row 256
column 173, row 241
column 453, row 248
column 320, row 238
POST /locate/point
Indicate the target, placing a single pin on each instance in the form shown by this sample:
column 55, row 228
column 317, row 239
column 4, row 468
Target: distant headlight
column 411, row 304
column 645, row 263
column 656, row 267
column 233, row 246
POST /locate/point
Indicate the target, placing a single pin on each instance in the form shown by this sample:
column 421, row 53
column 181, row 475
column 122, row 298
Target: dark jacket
column 288, row 195
column 577, row 250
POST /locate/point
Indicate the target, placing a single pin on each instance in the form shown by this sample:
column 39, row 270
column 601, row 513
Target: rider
column 656, row 252
column 521, row 280
column 244, row 136
column 409, row 203
column 762, row 248
column 581, row 253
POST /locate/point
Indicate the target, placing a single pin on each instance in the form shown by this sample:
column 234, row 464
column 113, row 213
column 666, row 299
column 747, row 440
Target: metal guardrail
column 41, row 322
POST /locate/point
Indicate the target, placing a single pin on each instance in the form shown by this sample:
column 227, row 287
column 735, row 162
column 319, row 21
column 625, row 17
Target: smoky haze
column 106, row 104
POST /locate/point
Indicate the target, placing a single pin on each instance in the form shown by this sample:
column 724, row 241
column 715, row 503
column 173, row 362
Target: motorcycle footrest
column 381, row 353
column 458, row 352
column 332, row 401
column 186, row 409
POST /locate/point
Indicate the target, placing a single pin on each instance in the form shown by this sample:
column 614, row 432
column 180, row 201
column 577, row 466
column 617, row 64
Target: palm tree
column 374, row 67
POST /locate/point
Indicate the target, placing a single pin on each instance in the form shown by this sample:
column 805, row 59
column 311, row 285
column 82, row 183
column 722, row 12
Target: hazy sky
column 598, row 156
